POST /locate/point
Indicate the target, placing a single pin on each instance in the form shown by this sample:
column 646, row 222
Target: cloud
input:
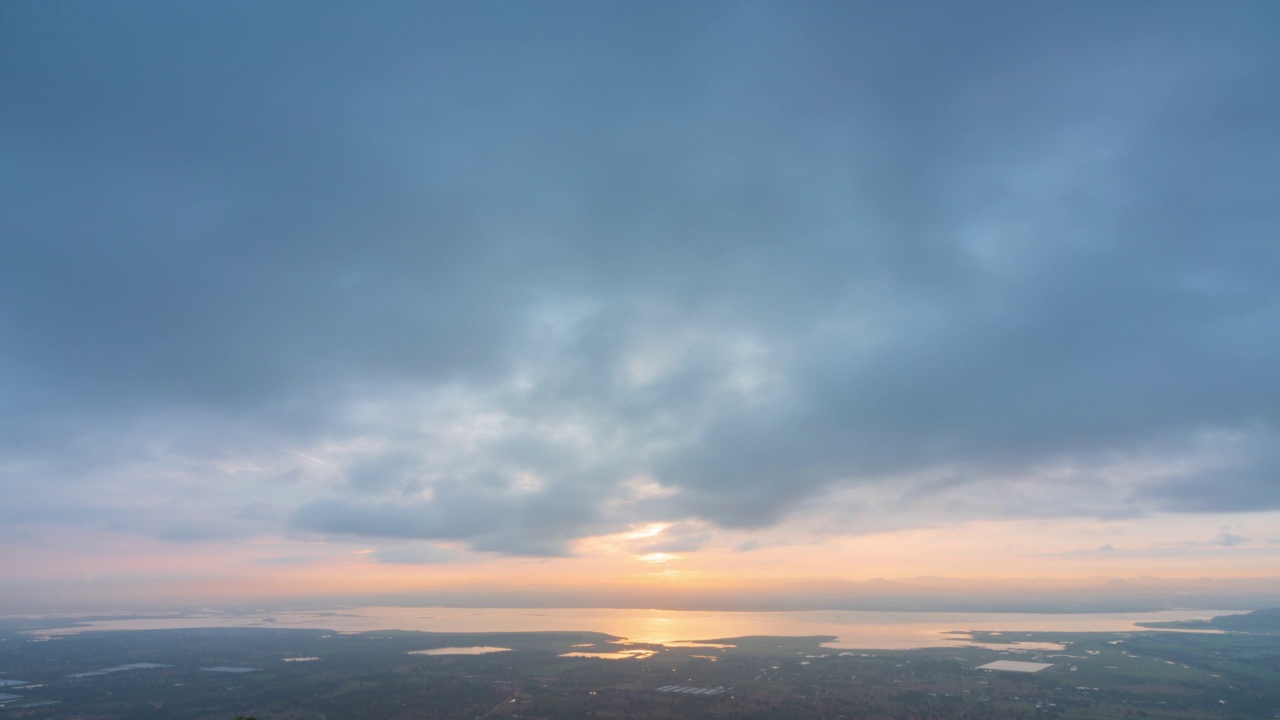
column 416, row 554
column 1227, row 539
column 445, row 275
column 1222, row 545
column 538, row 526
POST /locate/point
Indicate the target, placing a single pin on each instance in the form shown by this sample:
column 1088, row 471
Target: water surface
column 472, row 650
column 854, row 629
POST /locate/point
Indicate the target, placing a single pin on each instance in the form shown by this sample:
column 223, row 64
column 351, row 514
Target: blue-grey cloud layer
column 737, row 252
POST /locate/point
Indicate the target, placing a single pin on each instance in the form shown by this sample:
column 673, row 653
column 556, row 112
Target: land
column 1260, row 621
column 284, row 674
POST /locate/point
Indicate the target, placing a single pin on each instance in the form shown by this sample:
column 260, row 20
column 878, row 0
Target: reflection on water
column 852, row 629
column 620, row 655
column 473, row 650
column 1017, row 646
column 686, row 644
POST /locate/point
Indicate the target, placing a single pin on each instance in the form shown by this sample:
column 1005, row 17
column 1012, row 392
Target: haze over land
column 724, row 304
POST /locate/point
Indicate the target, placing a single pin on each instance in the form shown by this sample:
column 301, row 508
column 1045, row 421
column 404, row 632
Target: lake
column 853, row 629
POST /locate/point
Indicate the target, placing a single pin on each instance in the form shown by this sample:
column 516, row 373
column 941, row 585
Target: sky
column 304, row 298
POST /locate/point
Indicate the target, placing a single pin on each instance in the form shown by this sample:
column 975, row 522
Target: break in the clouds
column 506, row 276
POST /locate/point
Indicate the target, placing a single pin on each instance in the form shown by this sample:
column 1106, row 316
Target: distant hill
column 1259, row 621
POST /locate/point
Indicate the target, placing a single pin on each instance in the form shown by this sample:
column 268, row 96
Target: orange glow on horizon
column 1025, row 553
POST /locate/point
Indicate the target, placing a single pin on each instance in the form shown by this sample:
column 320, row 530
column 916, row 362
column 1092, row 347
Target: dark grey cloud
column 538, row 523
column 399, row 271
column 1246, row 479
